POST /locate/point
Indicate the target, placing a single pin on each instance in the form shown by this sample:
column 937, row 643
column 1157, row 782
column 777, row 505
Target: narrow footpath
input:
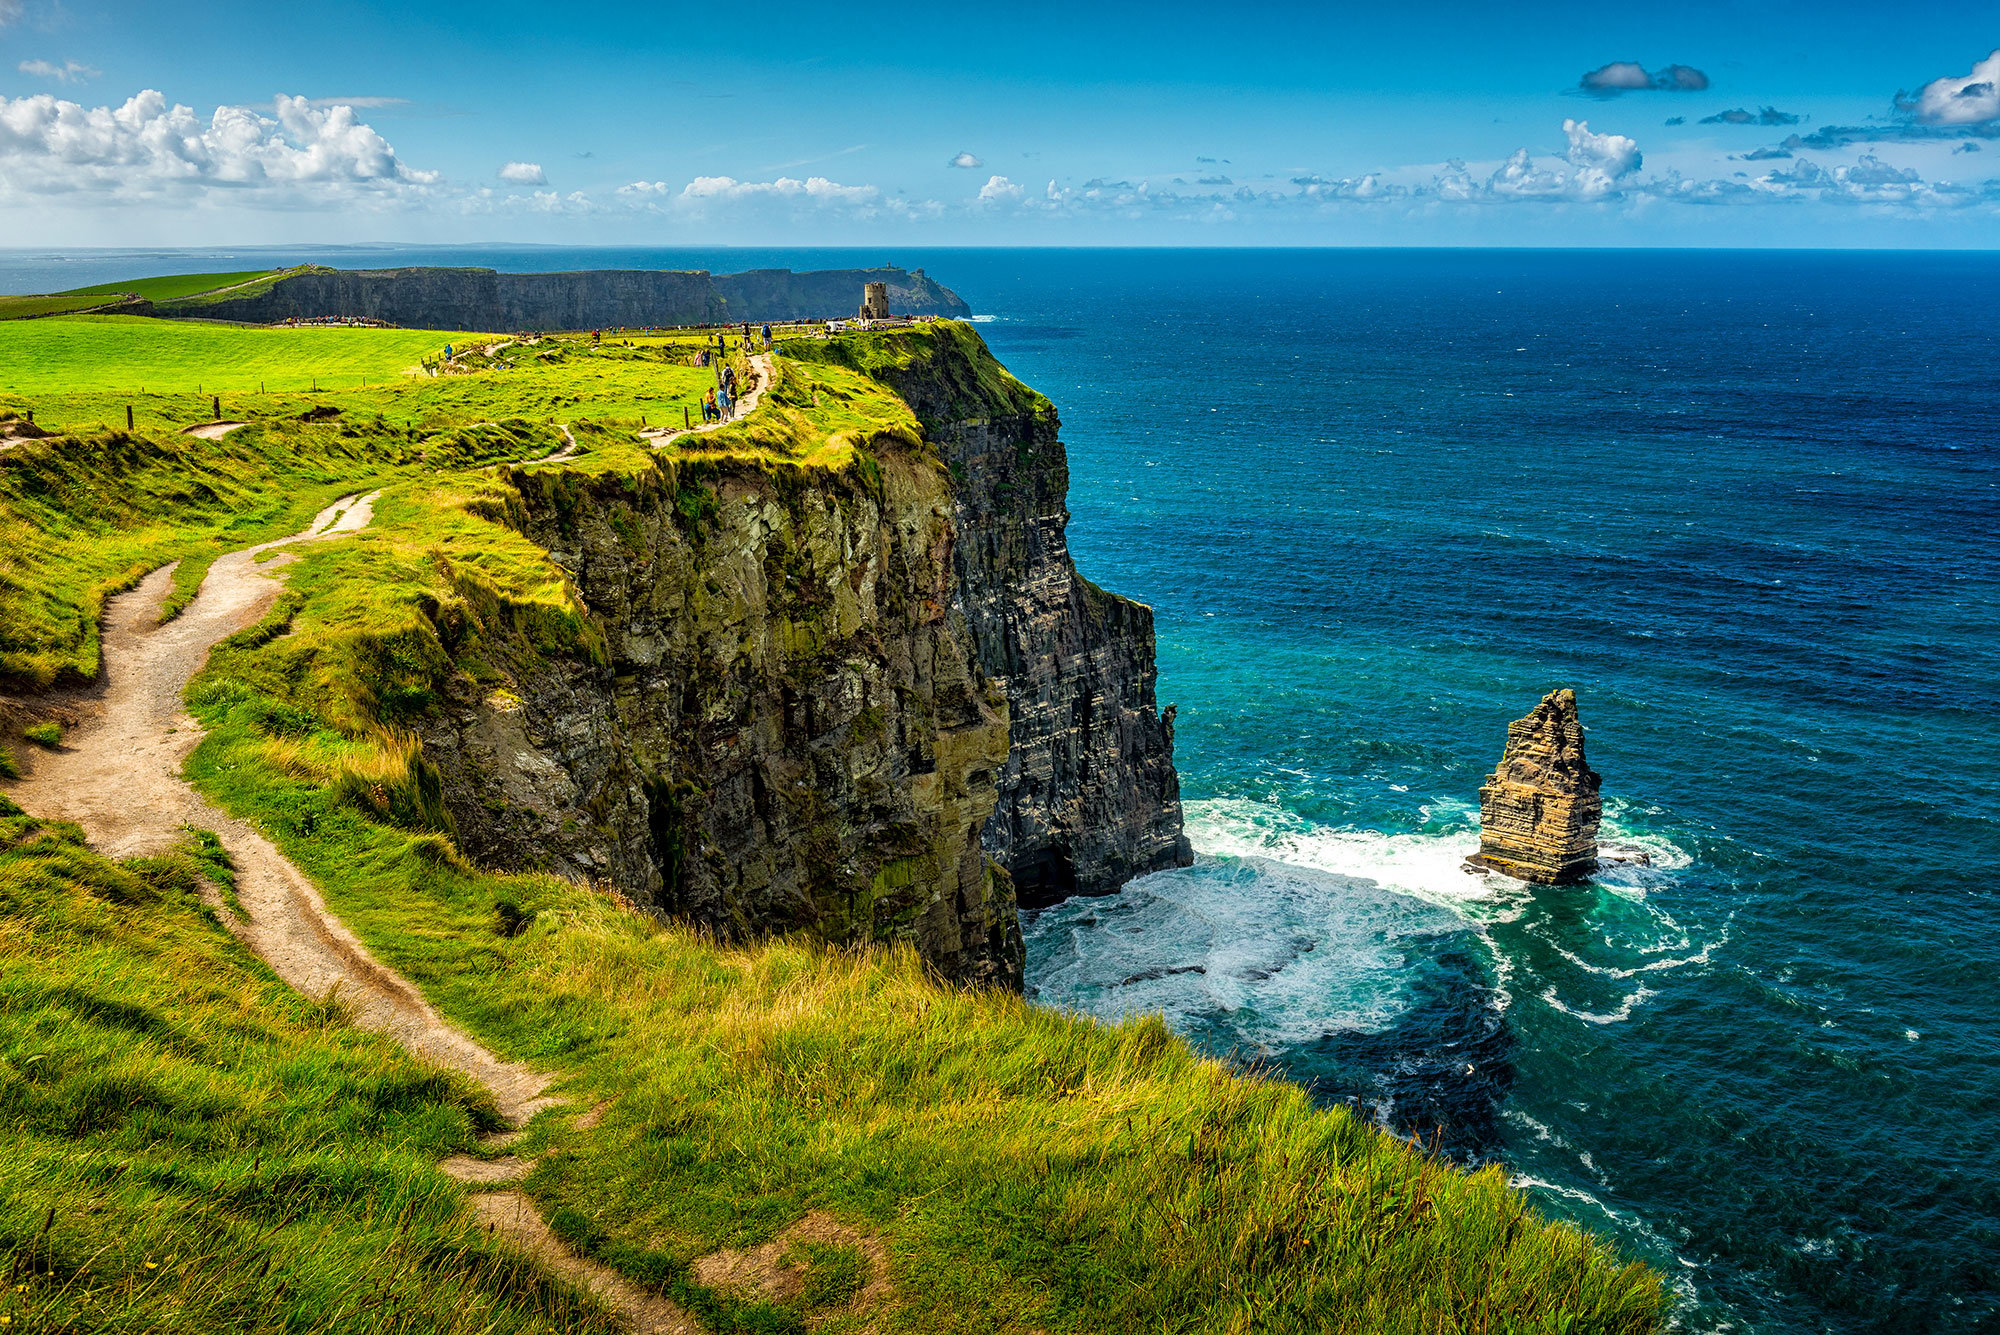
column 118, row 775
column 761, row 364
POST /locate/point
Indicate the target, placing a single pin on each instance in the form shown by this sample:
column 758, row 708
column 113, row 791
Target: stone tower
column 875, row 301
column 1539, row 812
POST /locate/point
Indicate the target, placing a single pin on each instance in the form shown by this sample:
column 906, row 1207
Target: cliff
column 864, row 701
column 483, row 299
column 1539, row 812
column 1090, row 798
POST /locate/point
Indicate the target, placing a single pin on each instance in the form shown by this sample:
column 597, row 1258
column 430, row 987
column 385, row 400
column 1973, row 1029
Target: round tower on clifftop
column 1539, row 812
column 875, row 301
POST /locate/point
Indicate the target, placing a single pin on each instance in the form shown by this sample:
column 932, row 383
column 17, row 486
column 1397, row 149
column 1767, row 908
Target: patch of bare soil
column 777, row 1271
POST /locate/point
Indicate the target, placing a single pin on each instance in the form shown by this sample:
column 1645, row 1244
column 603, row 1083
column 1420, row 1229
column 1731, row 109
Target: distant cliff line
column 439, row 298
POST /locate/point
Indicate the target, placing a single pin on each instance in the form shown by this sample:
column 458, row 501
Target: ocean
column 1747, row 505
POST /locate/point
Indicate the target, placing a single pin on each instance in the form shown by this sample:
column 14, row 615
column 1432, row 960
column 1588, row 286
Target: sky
column 1642, row 124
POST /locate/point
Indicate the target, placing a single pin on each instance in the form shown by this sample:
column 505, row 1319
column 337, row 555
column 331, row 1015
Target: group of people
column 720, row 402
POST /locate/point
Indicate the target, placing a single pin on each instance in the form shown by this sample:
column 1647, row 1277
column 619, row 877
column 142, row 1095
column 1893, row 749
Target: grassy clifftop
column 995, row 1166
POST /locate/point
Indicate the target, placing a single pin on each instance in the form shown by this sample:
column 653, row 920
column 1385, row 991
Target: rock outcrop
column 483, row 299
column 857, row 702
column 1539, row 812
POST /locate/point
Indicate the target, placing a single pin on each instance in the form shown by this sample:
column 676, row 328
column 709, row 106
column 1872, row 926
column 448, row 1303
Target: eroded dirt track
column 118, row 775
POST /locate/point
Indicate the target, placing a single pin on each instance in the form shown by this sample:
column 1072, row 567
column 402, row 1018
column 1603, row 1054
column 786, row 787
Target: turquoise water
column 1746, row 505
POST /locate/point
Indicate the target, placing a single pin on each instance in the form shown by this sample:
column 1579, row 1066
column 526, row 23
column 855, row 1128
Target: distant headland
column 442, row 298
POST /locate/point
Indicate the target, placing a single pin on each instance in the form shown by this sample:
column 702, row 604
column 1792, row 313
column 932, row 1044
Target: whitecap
column 1427, row 865
column 1619, row 1016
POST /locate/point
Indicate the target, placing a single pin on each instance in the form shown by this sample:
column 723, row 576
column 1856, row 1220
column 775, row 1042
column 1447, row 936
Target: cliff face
column 848, row 701
column 1090, row 798
column 1539, row 812
column 477, row 299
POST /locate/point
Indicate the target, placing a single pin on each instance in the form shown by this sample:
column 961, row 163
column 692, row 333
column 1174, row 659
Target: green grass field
column 81, row 373
column 130, row 353
column 174, row 286
column 32, row 307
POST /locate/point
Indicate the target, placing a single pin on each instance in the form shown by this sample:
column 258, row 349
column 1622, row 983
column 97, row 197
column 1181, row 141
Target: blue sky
column 1640, row 124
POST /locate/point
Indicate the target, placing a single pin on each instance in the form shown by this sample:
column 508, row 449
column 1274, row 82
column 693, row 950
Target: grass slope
column 173, row 286
column 193, row 1147
column 34, row 307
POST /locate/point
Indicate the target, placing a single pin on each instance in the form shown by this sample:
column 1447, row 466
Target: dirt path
column 568, row 451
column 213, row 430
column 118, row 774
column 746, row 405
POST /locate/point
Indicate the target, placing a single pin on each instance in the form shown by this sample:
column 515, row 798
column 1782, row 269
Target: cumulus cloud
column 1762, row 116
column 1000, row 190
column 70, row 71
column 1968, row 99
column 1629, row 76
column 523, row 173
column 148, row 148
column 965, row 160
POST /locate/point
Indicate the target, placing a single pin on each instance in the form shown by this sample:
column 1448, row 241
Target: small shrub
column 47, row 733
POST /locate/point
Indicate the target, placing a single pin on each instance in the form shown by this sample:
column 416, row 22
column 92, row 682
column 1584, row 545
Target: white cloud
column 1971, row 99
column 523, row 173
column 1600, row 160
column 70, row 71
column 1000, row 190
column 9, row 11
column 815, row 190
column 965, row 160
column 147, row 148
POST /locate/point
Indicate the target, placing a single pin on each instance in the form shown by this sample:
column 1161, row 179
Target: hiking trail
column 118, row 775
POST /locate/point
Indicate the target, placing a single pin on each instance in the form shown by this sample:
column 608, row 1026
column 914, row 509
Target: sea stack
column 1538, row 814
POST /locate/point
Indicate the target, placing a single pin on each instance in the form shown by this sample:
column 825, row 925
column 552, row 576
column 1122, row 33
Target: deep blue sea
column 1748, row 506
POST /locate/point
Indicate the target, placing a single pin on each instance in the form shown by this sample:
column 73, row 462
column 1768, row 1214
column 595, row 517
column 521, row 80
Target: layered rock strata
column 857, row 702
column 1539, row 811
column 436, row 298
column 1090, row 797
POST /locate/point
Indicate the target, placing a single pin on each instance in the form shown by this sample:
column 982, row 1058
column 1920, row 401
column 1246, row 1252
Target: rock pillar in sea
column 1539, row 811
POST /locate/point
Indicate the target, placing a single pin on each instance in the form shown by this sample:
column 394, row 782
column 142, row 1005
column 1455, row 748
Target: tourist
column 767, row 337
column 722, row 404
column 729, row 378
column 708, row 406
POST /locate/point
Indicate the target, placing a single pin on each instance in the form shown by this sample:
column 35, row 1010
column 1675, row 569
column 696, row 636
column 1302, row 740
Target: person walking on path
column 767, row 337
column 729, row 378
column 723, row 404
